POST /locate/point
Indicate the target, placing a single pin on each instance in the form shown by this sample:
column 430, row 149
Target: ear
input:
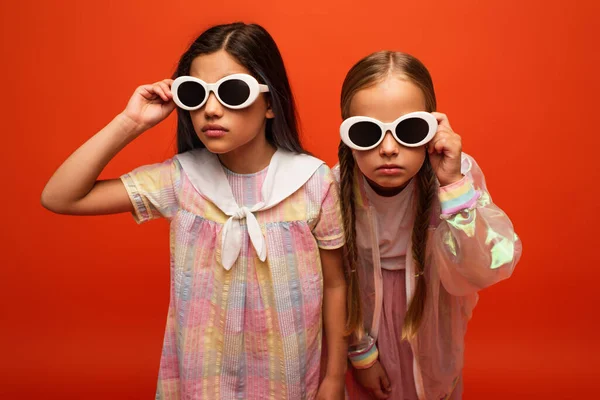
column 269, row 114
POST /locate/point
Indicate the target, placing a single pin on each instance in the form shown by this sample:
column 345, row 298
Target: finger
column 445, row 130
column 439, row 145
column 378, row 393
column 385, row 382
column 454, row 144
column 442, row 119
column 443, row 134
column 436, row 144
column 430, row 147
column 170, row 106
column 159, row 91
column 166, row 89
column 452, row 141
column 147, row 92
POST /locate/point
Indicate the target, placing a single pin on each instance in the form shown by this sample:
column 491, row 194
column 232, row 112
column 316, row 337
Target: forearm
column 334, row 315
column 76, row 177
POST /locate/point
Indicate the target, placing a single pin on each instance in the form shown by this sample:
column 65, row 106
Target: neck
column 249, row 158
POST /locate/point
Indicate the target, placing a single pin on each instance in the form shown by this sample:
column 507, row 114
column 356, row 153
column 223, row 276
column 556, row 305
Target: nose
column 213, row 108
column 389, row 146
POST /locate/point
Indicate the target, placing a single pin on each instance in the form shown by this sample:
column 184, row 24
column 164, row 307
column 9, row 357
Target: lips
column 214, row 131
column 390, row 166
column 390, row 169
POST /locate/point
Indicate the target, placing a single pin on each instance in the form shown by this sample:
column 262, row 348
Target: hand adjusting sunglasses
column 410, row 130
column 234, row 91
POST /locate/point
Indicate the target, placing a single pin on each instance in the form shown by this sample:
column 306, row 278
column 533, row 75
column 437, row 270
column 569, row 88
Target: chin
column 218, row 149
column 390, row 183
column 218, row 146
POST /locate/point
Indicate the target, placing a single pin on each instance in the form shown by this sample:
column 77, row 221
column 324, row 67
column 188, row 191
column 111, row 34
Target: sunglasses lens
column 234, row 92
column 191, row 94
column 364, row 133
column 412, row 130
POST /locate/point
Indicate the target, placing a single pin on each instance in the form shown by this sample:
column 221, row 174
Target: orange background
column 84, row 300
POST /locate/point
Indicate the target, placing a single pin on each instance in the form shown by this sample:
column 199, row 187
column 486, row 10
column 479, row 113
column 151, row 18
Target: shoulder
column 336, row 173
column 323, row 176
column 319, row 186
column 169, row 168
column 302, row 167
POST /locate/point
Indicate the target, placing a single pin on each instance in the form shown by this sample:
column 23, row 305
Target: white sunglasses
column 233, row 91
column 410, row 130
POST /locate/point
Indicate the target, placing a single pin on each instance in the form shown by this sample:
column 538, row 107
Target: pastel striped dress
column 253, row 332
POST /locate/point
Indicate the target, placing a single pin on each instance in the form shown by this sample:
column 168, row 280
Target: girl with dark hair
column 256, row 265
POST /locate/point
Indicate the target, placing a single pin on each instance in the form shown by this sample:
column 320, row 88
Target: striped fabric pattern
column 365, row 358
column 253, row 332
column 457, row 196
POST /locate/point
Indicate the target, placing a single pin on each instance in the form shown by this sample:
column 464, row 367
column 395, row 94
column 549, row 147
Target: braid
column 426, row 188
column 367, row 72
column 348, row 207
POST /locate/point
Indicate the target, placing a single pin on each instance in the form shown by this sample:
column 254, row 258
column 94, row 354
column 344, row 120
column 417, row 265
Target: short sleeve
column 328, row 230
column 153, row 190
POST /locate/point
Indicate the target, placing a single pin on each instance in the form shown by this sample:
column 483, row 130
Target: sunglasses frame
column 385, row 127
column 255, row 89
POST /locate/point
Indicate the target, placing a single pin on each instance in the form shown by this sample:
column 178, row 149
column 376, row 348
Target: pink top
column 252, row 331
column 471, row 245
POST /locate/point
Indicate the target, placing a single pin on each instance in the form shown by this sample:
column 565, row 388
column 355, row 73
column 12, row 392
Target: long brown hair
column 367, row 72
column 254, row 48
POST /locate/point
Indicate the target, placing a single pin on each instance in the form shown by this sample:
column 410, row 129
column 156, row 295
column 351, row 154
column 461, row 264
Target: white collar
column 287, row 173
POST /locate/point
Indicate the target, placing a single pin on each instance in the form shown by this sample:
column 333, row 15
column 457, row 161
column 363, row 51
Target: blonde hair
column 367, row 72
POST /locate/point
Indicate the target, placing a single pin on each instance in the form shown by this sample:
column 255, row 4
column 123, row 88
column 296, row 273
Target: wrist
column 445, row 181
column 335, row 376
column 336, row 369
column 128, row 126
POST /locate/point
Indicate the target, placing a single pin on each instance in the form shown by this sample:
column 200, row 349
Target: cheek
column 251, row 117
column 246, row 122
column 367, row 161
column 414, row 158
column 197, row 120
column 411, row 158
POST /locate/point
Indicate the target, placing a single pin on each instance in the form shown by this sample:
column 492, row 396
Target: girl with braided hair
column 421, row 231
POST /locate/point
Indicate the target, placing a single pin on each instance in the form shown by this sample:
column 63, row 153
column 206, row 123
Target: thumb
column 378, row 393
column 168, row 107
column 385, row 382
